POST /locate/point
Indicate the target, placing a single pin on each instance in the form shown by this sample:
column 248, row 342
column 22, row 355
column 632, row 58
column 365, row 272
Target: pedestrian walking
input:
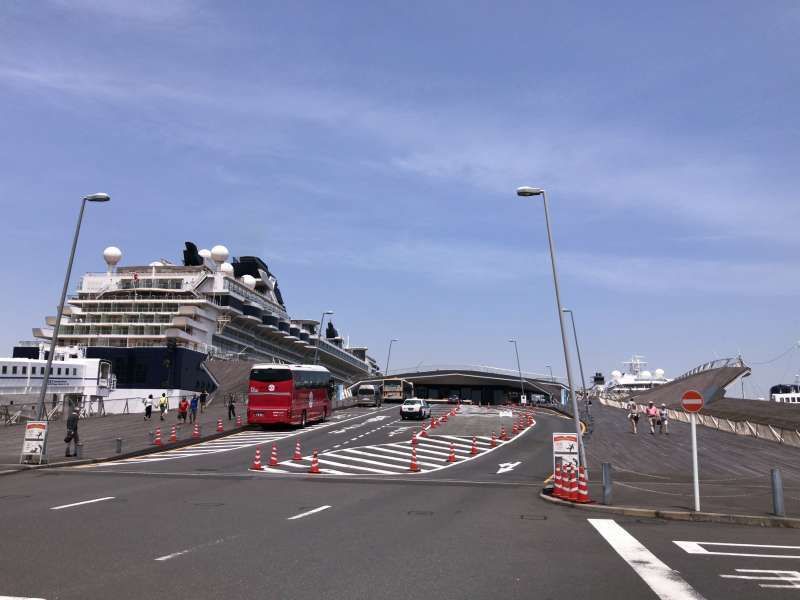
column 231, row 407
column 203, row 400
column 72, row 433
column 663, row 420
column 148, row 407
column 652, row 416
column 183, row 408
column 633, row 416
column 193, row 409
column 163, row 404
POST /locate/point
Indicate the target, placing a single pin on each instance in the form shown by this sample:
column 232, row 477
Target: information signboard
column 34, row 444
column 565, row 450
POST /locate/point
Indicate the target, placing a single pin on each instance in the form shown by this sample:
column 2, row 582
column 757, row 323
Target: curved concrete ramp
column 711, row 383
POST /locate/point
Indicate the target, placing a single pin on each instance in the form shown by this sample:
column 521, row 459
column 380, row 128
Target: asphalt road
column 202, row 525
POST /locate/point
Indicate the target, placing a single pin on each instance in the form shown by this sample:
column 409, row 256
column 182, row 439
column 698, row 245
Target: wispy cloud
column 152, row 11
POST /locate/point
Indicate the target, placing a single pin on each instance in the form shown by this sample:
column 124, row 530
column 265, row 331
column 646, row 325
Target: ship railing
column 736, row 362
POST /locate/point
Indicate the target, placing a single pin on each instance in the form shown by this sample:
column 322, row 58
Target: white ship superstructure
column 635, row 379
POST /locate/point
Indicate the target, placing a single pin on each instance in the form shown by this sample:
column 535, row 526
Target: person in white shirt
column 633, row 416
column 663, row 420
column 148, row 407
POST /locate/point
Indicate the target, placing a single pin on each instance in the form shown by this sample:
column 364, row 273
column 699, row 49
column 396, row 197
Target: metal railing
column 720, row 363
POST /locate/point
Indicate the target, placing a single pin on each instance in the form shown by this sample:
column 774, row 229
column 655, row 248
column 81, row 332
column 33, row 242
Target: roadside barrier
column 474, row 449
column 220, row 428
column 314, row 463
column 298, row 456
column 256, row 466
column 452, row 457
column 558, row 488
column 173, row 435
column 494, row 440
column 196, row 431
column 157, row 440
column 414, row 467
column 583, row 487
column 273, row 459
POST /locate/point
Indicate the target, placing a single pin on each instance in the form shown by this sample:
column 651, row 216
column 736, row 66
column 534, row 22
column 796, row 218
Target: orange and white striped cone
column 173, row 435
column 298, row 456
column 514, row 429
column 219, row 424
column 413, row 439
column 256, row 466
column 423, row 432
column 530, row 420
column 157, row 438
column 444, row 418
column 583, row 487
column 503, row 435
column 494, row 440
column 314, row 463
column 273, row 458
column 558, row 490
column 474, row 449
column 238, row 420
column 196, row 431
column 433, row 423
column 414, row 467
column 573, row 485
column 452, row 457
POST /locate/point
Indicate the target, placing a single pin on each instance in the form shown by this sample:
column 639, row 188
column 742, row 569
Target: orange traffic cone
column 414, row 466
column 273, row 459
column 196, row 431
column 494, row 440
column 173, row 435
column 298, row 456
column 433, row 423
column 157, row 439
column 558, row 490
column 583, row 487
column 219, row 424
column 413, row 439
column 423, row 432
column 444, row 418
column 514, row 429
column 256, row 466
column 503, row 435
column 314, row 463
column 474, row 449
column 452, row 457
column 238, row 420
column 530, row 420
column 572, row 492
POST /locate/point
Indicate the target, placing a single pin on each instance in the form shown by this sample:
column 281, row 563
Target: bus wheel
column 303, row 419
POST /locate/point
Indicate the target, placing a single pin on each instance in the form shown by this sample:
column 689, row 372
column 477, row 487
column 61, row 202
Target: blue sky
column 369, row 153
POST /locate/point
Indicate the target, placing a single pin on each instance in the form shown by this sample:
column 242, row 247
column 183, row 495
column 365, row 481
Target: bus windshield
column 269, row 375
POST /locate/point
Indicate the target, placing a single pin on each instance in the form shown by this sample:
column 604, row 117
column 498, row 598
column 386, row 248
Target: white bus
column 369, row 395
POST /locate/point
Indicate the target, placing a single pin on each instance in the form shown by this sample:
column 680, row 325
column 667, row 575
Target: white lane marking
column 506, row 467
column 405, row 460
column 791, row 579
column 337, row 455
column 310, row 512
column 697, row 548
column 18, row 597
column 182, row 552
column 664, row 581
column 82, row 503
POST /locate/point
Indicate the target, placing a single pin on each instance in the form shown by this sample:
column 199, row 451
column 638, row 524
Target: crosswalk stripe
column 419, row 448
column 453, row 437
column 337, row 455
column 433, row 440
column 406, row 455
column 406, row 460
column 357, row 467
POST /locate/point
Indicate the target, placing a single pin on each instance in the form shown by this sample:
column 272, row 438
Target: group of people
column 656, row 417
column 186, row 408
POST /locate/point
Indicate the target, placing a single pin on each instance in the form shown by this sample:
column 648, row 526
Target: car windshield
column 410, row 402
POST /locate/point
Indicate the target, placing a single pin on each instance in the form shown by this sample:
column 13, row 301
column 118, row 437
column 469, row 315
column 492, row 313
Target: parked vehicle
column 368, row 395
column 290, row 394
column 415, row 408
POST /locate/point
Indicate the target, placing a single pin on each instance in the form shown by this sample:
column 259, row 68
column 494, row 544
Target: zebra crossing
column 392, row 458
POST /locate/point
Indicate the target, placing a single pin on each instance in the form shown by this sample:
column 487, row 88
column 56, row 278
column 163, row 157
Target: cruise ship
column 635, row 379
column 158, row 324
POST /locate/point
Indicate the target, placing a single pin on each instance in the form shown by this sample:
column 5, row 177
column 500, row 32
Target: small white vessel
column 635, row 379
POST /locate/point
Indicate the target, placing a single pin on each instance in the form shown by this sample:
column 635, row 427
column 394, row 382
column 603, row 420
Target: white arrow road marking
column 506, row 467
column 310, row 512
column 697, row 548
column 80, row 503
column 664, row 581
column 790, row 579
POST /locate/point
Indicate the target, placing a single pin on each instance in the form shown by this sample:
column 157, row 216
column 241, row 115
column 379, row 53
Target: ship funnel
column 112, row 256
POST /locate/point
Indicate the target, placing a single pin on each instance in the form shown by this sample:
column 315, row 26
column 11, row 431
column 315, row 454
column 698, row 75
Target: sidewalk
column 655, row 471
column 99, row 434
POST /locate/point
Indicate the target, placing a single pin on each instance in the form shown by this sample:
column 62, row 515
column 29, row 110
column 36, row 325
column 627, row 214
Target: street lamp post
column 57, row 326
column 577, row 349
column 389, row 357
column 521, row 382
column 527, row 192
column 319, row 334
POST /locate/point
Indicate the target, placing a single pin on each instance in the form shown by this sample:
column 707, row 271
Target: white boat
column 635, row 379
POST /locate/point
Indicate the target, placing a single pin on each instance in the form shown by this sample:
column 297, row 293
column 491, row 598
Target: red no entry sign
column 692, row 401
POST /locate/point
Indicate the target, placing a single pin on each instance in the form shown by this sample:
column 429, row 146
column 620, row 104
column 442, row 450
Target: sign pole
column 695, row 469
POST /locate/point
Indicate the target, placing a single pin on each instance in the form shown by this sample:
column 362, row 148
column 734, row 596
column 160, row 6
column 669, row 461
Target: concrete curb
column 131, row 454
column 677, row 515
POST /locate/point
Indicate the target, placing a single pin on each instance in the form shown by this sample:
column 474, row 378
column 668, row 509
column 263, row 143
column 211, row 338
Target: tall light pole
column 57, row 326
column 577, row 348
column 319, row 334
column 532, row 191
column 389, row 357
column 521, row 382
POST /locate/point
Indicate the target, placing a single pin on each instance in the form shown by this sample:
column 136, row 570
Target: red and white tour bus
column 291, row 394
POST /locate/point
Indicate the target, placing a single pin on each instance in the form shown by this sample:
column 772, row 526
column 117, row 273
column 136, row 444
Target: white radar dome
column 249, row 281
column 226, row 268
column 646, row 375
column 112, row 255
column 205, row 253
column 659, row 373
column 616, row 375
column 219, row 254
column 156, row 263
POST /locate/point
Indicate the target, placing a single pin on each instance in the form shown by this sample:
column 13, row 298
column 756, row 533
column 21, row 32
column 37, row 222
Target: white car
column 415, row 408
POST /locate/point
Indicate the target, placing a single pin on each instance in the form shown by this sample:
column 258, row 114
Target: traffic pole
column 695, row 468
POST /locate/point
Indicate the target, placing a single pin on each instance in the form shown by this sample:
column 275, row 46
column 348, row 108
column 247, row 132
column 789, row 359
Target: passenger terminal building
column 480, row 384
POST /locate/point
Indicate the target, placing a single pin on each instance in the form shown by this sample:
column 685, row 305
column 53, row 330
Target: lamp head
column 526, row 191
column 99, row 197
column 328, row 312
column 512, row 341
column 566, row 310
